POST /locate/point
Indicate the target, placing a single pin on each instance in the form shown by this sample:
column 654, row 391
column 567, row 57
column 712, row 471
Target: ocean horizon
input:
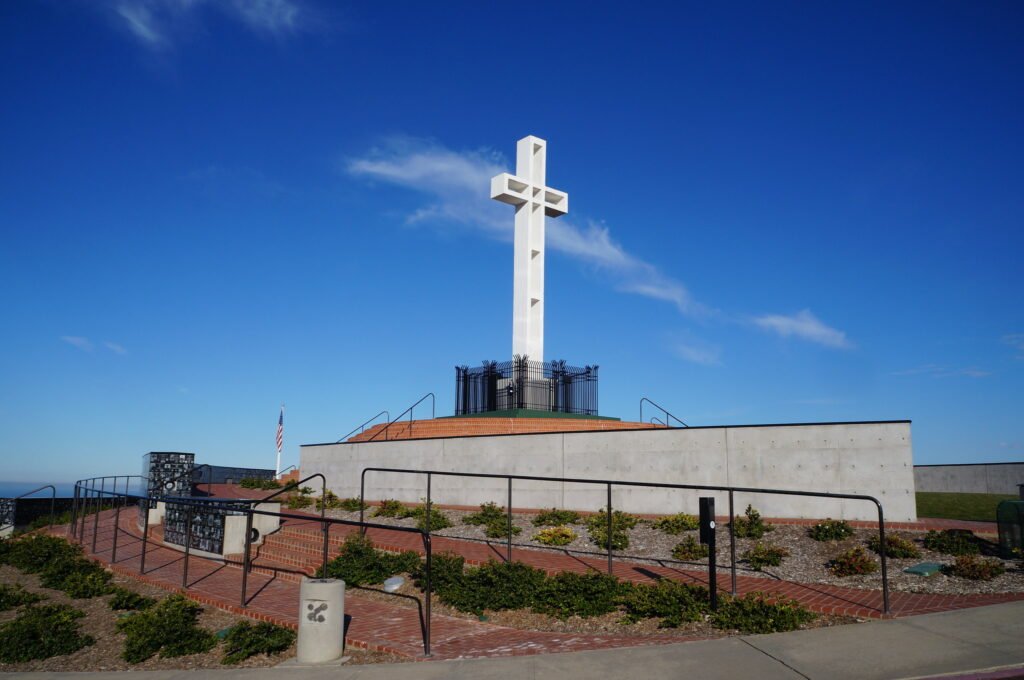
column 13, row 489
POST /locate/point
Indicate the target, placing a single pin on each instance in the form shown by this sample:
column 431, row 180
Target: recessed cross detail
column 533, row 201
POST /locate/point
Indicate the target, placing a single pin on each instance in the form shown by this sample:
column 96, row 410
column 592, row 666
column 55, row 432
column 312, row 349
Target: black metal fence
column 524, row 384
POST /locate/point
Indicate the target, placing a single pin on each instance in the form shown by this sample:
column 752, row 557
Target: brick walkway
column 296, row 550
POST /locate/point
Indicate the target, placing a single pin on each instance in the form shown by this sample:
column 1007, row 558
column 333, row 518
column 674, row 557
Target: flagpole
column 277, row 468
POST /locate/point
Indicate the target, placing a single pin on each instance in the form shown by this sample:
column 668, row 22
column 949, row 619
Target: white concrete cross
column 533, row 200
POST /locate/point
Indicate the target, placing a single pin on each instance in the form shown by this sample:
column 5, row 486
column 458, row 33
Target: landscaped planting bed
column 807, row 562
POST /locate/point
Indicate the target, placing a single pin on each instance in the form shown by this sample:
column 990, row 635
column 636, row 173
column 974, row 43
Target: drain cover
column 924, row 569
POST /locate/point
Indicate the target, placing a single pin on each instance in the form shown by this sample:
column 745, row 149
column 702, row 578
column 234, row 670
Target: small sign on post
column 707, row 537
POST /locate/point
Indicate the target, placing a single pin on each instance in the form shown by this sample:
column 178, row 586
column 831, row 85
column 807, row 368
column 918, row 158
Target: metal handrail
column 53, row 503
column 662, row 409
column 433, row 414
column 290, row 467
column 656, row 419
column 360, row 427
column 609, row 483
column 326, row 522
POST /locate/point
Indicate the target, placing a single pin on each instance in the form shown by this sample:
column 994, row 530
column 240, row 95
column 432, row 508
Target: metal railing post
column 117, row 526
column 884, row 549
column 426, row 513
column 427, row 598
column 145, row 535
column 73, row 526
column 246, row 561
column 53, row 505
column 188, row 547
column 85, row 512
column 324, row 527
column 609, row 537
column 732, row 543
column 362, row 502
column 509, row 557
column 99, row 506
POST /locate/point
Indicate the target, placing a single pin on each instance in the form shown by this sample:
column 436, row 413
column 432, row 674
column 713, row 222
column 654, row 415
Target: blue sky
column 779, row 213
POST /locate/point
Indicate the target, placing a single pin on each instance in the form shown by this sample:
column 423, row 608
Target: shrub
column 42, row 632
column 494, row 519
column 129, row 600
column 853, row 562
column 952, row 542
column 77, row 576
column 438, row 520
column 259, row 483
column 330, row 500
column 765, row 555
column 756, row 613
column 570, row 594
column 895, row 547
column 297, row 501
column 975, row 568
column 831, row 530
column 677, row 524
column 390, row 508
column 168, row 628
column 689, row 549
column 555, row 518
column 352, row 504
column 359, row 563
column 668, row 600
column 446, row 573
column 245, row 639
column 561, row 535
column 15, row 596
column 494, row 586
column 597, row 525
column 33, row 553
column 751, row 525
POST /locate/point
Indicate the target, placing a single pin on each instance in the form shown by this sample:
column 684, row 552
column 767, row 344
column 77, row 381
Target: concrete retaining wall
column 977, row 478
column 861, row 458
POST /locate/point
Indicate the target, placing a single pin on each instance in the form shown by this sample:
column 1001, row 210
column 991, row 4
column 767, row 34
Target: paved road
column 985, row 640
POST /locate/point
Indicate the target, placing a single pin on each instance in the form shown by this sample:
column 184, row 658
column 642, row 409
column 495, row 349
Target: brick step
column 293, row 573
column 455, row 427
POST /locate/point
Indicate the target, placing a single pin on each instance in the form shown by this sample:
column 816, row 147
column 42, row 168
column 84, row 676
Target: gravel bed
column 807, row 562
column 105, row 654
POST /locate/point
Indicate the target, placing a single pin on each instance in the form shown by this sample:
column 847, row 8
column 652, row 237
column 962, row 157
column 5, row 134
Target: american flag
column 280, row 430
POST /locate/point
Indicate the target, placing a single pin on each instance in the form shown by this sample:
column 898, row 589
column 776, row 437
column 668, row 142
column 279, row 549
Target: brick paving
column 287, row 555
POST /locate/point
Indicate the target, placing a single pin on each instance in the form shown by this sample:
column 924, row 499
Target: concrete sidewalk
column 979, row 641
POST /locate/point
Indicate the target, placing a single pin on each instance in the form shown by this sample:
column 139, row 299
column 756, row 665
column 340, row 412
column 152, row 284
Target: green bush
column 677, row 524
column 446, row 573
column 689, row 549
column 246, row 639
column 129, row 600
column 831, row 530
column 853, row 562
column 895, row 547
column 42, row 632
column 560, row 535
column 168, row 628
column 359, row 563
column 555, row 518
column 88, row 583
column 974, row 568
column 622, row 522
column 33, row 553
column 765, row 555
column 585, row 595
column 494, row 586
column 352, row 504
column 330, row 500
column 757, row 613
column 670, row 601
column 297, row 501
column 493, row 519
column 14, row 596
column 390, row 508
column 952, row 542
column 751, row 525
column 259, row 483
column 438, row 520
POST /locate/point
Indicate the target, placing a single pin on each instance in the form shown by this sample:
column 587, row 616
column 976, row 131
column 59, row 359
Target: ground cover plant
column 895, row 547
column 597, row 526
column 555, row 517
column 689, row 549
column 560, row 535
column 259, row 483
column 760, row 613
column 751, row 525
column 12, row 597
column 168, row 628
column 571, row 594
column 975, row 568
column 977, row 507
column 246, row 639
column 40, row 632
column 952, row 542
column 852, row 562
column 670, row 601
column 765, row 555
column 59, row 564
column 494, row 520
column 352, row 504
column 677, row 524
column 129, row 600
column 395, row 509
column 359, row 563
column 831, row 530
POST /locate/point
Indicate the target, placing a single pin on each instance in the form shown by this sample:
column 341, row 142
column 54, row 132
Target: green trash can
column 1010, row 516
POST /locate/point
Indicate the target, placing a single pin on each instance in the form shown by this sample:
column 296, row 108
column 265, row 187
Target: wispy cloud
column 1016, row 340
column 155, row 23
column 456, row 184
column 77, row 341
column 805, row 326
column 943, row 371
column 114, row 347
column 705, row 356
